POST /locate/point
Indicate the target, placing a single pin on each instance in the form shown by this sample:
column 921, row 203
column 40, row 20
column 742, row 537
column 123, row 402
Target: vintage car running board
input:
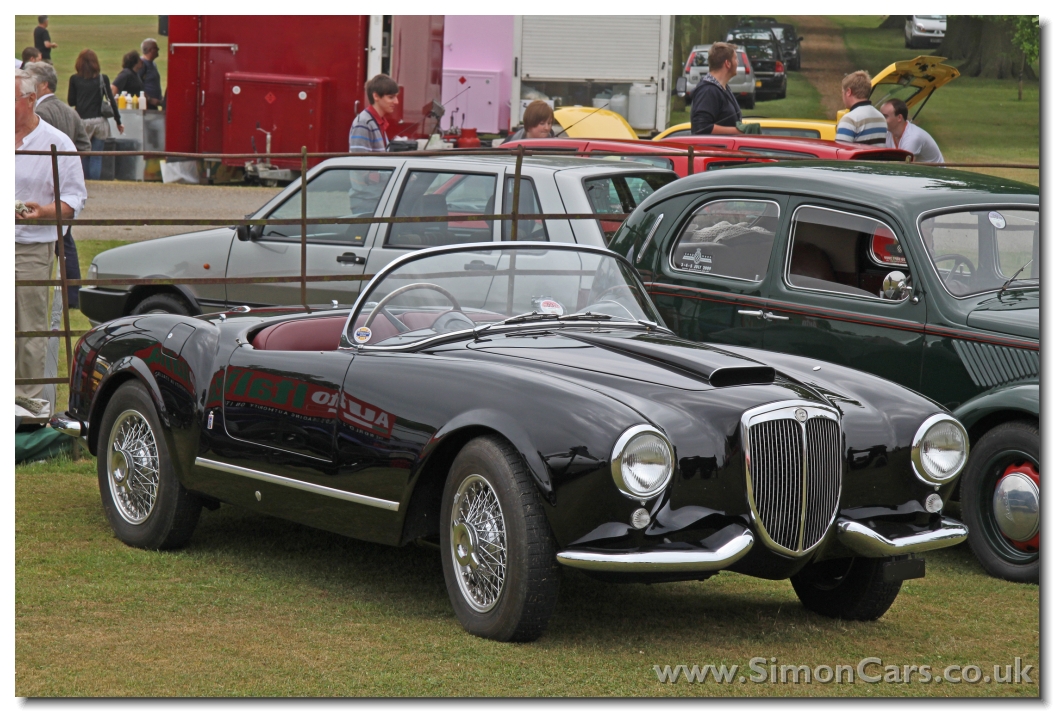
column 297, row 484
column 868, row 542
column 660, row 560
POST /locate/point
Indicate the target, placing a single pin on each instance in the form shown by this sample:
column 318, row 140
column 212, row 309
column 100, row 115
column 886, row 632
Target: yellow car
column 912, row 81
column 587, row 122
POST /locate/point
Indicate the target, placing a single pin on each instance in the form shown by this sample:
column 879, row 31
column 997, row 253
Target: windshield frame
column 347, row 345
column 967, row 207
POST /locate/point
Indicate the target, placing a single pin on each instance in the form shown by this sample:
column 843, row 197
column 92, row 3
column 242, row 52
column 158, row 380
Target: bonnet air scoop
column 719, row 368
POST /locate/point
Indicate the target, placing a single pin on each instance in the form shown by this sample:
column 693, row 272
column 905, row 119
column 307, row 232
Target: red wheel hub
column 1028, row 470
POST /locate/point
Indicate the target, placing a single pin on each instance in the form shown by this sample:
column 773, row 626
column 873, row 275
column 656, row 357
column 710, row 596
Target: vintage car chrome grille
column 794, row 473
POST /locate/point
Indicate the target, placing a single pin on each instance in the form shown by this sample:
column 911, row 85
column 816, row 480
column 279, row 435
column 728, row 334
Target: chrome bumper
column 660, row 560
column 64, row 423
column 867, row 542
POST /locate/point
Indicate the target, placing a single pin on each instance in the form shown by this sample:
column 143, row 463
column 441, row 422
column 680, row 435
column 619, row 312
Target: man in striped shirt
column 369, row 130
column 863, row 123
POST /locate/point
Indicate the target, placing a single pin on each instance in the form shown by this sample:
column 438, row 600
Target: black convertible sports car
column 522, row 405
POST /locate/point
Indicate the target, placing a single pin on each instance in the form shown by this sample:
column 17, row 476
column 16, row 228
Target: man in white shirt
column 901, row 133
column 34, row 244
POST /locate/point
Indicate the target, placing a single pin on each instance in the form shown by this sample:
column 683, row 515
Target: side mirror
column 895, row 286
column 245, row 233
column 682, row 86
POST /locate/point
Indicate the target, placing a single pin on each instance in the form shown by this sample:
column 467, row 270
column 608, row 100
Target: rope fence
column 520, row 152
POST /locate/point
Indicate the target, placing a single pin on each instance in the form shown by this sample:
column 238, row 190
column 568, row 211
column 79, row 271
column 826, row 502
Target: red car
column 788, row 147
column 675, row 157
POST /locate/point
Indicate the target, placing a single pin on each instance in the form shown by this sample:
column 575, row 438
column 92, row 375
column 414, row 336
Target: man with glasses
column 35, row 244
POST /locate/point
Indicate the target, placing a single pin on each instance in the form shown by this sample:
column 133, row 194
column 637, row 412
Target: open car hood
column 913, row 81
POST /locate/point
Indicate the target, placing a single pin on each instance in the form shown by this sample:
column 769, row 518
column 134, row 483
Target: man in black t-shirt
column 714, row 108
column 42, row 38
column 148, row 73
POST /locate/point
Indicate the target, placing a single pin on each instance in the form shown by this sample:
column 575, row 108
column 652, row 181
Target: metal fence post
column 303, row 226
column 62, row 260
column 514, row 233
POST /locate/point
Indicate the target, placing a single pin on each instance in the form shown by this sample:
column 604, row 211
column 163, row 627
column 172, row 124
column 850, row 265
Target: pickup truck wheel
column 162, row 304
column 850, row 589
column 999, row 495
column 499, row 558
column 146, row 505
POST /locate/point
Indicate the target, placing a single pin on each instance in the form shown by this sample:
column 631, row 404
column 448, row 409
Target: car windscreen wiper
column 1009, row 281
column 534, row 316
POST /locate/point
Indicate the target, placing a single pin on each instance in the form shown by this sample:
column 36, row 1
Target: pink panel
column 478, row 43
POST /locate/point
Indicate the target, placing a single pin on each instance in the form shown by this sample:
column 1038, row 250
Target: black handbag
column 106, row 110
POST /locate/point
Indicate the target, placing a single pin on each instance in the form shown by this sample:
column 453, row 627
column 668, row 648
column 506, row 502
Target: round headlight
column 642, row 462
column 940, row 449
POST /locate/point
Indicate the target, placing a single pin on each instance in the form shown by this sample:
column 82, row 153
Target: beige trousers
column 32, row 261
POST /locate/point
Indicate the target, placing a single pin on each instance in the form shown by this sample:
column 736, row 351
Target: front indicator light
column 642, row 462
column 940, row 449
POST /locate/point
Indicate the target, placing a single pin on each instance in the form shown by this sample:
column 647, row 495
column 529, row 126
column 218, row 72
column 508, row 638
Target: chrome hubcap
column 1015, row 506
column 132, row 465
column 477, row 543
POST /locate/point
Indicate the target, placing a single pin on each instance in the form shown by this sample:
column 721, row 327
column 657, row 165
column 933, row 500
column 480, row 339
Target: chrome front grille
column 794, row 473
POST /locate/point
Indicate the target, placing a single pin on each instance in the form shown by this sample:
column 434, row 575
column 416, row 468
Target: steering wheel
column 960, row 261
column 382, row 306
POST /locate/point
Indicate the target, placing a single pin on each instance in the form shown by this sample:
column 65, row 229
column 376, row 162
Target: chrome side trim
column 659, row 560
column 647, row 240
column 866, row 541
column 70, row 426
column 297, row 484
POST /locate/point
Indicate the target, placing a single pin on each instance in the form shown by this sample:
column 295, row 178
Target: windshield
column 979, row 250
column 461, row 289
column 759, row 49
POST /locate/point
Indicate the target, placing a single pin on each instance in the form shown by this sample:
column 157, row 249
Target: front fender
column 510, row 429
column 1016, row 398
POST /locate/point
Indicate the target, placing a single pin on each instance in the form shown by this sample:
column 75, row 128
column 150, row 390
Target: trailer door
column 611, row 48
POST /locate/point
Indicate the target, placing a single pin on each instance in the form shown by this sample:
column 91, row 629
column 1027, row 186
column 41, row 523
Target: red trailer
column 239, row 82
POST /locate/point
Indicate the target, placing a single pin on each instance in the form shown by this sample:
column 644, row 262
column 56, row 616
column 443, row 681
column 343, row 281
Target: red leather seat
column 321, row 334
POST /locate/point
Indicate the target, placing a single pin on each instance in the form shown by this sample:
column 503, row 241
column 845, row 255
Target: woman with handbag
column 90, row 94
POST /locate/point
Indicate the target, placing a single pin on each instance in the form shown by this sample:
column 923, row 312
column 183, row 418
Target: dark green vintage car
column 926, row 276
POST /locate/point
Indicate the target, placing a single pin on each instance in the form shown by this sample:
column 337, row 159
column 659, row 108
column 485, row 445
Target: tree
column 991, row 45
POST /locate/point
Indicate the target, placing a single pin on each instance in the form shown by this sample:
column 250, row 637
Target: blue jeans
column 92, row 165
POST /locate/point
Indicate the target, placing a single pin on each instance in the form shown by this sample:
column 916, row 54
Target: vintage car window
column 728, row 238
column 533, row 230
column 461, row 289
column 776, row 152
column 622, row 193
column 334, row 193
column 429, row 193
column 827, row 252
column 784, row 131
column 978, row 250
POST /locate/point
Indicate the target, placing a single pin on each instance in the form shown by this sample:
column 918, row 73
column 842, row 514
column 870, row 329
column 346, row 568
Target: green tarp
column 42, row 444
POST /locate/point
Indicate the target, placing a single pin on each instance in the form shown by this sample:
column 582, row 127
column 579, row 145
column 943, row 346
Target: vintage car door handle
column 769, row 316
column 752, row 312
column 351, row 258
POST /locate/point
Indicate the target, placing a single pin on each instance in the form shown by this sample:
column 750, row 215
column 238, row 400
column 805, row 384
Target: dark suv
column 766, row 58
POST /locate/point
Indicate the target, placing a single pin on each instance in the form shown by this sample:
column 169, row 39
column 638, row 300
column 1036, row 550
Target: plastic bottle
column 135, row 101
column 142, row 101
column 122, row 103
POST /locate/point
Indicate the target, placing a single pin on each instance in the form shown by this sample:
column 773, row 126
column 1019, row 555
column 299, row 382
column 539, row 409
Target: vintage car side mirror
column 682, row 86
column 895, row 286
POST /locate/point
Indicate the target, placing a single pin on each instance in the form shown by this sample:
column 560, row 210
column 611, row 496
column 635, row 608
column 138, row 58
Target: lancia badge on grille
column 801, row 415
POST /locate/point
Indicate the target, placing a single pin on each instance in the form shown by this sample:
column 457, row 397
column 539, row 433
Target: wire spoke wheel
column 132, row 466
column 478, row 543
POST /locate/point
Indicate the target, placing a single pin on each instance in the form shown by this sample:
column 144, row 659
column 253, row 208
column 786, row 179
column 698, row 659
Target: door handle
column 752, row 312
column 769, row 316
column 351, row 258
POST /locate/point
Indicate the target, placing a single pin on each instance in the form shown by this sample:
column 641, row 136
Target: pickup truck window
column 728, row 238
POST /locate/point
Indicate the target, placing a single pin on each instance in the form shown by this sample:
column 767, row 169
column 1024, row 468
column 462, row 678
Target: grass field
column 110, row 36
column 973, row 120
column 258, row 606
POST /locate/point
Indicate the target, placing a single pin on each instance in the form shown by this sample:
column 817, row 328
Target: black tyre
column 162, row 304
column 850, row 589
column 1007, row 450
column 499, row 558
column 146, row 505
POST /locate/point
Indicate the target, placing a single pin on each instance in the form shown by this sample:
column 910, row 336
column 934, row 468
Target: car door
column 332, row 249
column 834, row 299
column 716, row 257
column 436, row 189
